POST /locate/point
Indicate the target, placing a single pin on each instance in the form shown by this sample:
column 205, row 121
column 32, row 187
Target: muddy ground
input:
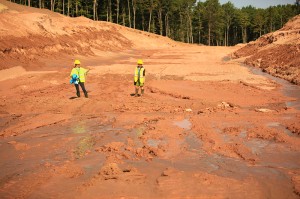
column 205, row 128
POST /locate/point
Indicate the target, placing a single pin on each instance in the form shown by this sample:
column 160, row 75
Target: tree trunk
column 53, row 6
column 181, row 29
column 107, row 15
column 129, row 16
column 97, row 14
column 110, row 13
column 260, row 32
column 69, row 8
column 87, row 9
column 76, row 7
column 150, row 16
column 118, row 8
column 190, row 29
column 244, row 34
column 160, row 21
column 134, row 11
column 29, row 3
column 143, row 21
column 40, row 4
column 227, row 36
column 94, row 9
column 209, row 33
column 199, row 28
column 63, row 5
column 123, row 16
column 167, row 24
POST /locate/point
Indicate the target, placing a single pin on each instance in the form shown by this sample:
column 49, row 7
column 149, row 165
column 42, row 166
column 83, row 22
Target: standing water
column 288, row 89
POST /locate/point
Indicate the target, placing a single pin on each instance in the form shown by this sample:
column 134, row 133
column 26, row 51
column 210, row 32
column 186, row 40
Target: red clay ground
column 206, row 128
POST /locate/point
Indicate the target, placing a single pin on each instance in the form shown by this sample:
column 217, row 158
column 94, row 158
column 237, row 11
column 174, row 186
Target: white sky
column 257, row 3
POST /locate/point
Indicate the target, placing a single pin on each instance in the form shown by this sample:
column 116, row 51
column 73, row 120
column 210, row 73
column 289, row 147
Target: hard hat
column 76, row 62
column 140, row 62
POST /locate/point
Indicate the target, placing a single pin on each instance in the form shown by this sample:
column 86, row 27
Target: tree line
column 191, row 21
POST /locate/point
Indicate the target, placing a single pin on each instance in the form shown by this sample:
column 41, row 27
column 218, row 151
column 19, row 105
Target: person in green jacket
column 81, row 74
column 139, row 77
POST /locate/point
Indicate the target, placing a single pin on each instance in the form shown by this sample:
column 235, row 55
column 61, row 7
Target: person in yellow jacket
column 139, row 77
column 81, row 74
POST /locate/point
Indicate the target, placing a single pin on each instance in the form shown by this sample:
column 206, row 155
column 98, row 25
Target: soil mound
column 276, row 53
column 29, row 35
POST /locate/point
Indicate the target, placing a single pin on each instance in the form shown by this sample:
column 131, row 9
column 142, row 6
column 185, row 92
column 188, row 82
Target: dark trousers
column 82, row 87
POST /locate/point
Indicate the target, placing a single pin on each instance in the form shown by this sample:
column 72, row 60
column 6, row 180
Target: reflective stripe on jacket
column 139, row 75
column 80, row 72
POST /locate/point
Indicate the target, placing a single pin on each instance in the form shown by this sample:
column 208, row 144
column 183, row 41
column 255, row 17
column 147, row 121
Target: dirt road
column 206, row 128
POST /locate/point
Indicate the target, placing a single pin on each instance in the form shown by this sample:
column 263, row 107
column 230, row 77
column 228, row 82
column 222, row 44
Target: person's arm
column 144, row 73
column 86, row 70
column 71, row 73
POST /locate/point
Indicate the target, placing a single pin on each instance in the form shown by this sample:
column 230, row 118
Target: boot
column 142, row 92
column 78, row 94
column 86, row 95
column 136, row 92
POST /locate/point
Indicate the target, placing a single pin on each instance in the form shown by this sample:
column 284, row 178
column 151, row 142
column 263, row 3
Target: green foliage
column 192, row 21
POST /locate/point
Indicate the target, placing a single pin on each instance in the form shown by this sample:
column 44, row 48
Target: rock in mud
column 110, row 171
column 264, row 110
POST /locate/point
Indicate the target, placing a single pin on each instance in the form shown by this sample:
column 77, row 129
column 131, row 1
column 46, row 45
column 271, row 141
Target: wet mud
column 231, row 137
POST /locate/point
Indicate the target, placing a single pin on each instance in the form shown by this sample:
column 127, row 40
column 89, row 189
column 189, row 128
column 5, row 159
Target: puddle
column 288, row 89
column 243, row 134
column 273, row 124
column 79, row 128
column 140, row 131
column 185, row 124
column 283, row 159
column 226, row 59
column 85, row 144
column 153, row 143
column 281, row 127
column 225, row 137
column 193, row 142
column 257, row 145
column 191, row 161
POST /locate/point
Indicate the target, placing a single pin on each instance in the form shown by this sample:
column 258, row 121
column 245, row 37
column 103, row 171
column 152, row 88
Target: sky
column 258, row 3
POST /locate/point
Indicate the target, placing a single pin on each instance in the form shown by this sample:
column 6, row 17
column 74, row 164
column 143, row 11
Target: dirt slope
column 29, row 35
column 277, row 53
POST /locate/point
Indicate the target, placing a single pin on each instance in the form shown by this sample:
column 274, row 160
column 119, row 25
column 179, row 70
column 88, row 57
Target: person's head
column 140, row 63
column 76, row 63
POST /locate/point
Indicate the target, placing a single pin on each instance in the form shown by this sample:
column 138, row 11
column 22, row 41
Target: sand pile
column 277, row 53
column 29, row 35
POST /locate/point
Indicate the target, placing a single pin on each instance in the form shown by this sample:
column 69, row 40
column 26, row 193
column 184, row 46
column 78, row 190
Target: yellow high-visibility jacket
column 80, row 72
column 140, row 77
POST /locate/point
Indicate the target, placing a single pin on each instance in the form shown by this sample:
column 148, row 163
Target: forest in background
column 191, row 21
